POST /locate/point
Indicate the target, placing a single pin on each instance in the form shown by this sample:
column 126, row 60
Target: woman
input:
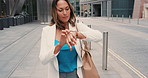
column 60, row 46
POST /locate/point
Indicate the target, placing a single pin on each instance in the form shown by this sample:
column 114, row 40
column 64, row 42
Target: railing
column 123, row 19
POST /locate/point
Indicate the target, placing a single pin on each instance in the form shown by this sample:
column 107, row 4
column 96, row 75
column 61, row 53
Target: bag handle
column 79, row 40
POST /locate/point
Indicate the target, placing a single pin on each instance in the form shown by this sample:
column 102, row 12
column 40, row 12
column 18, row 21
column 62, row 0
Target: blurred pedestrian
column 60, row 46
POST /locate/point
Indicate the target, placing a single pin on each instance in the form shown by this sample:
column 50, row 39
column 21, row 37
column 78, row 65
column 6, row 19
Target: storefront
column 95, row 8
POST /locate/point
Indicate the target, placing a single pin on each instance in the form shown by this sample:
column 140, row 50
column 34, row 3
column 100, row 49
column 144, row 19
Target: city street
column 127, row 58
column 129, row 41
column 122, row 53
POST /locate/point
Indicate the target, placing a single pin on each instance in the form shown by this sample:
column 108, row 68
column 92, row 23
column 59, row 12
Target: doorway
column 97, row 10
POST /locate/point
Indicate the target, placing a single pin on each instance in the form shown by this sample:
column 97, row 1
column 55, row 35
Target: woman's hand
column 63, row 38
column 71, row 38
column 68, row 37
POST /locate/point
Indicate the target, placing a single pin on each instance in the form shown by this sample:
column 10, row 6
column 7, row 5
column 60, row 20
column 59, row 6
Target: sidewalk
column 114, row 70
column 140, row 21
column 25, row 39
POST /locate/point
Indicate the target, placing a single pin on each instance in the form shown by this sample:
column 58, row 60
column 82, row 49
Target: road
column 129, row 41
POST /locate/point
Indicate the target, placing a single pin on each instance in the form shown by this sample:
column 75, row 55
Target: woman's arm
column 90, row 34
column 46, row 51
column 80, row 35
column 57, row 48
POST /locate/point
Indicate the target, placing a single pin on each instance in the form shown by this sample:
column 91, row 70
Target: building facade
column 122, row 8
column 41, row 9
column 75, row 4
column 16, row 7
column 106, row 7
column 140, row 9
column 145, row 15
column 95, row 8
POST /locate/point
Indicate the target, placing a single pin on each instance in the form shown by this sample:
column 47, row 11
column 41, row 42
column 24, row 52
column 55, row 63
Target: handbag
column 88, row 67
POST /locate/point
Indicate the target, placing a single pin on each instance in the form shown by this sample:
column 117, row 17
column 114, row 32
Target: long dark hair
column 55, row 20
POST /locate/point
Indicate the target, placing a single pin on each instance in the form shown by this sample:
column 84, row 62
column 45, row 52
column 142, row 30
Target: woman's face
column 63, row 11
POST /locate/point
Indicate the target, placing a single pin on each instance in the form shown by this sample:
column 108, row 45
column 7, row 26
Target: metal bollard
column 138, row 20
column 112, row 17
column 77, row 21
column 129, row 19
column 108, row 18
column 105, row 50
column 122, row 18
column 89, row 26
column 117, row 17
column 89, row 42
